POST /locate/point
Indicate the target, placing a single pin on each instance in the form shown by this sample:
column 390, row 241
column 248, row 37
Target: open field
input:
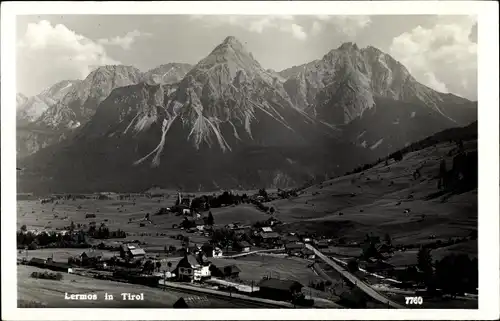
column 255, row 267
column 371, row 201
column 52, row 292
column 375, row 201
column 59, row 255
column 380, row 200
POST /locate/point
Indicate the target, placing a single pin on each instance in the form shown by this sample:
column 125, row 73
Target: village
column 211, row 255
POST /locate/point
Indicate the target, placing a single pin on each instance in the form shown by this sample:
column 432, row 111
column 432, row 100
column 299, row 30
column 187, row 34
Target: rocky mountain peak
column 347, row 46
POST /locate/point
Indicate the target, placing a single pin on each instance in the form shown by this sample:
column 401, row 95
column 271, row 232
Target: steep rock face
column 29, row 109
column 167, row 74
column 30, row 136
column 228, row 95
column 228, row 123
column 20, row 99
column 55, row 113
column 81, row 102
column 345, row 82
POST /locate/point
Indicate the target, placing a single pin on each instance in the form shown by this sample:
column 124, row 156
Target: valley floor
column 385, row 199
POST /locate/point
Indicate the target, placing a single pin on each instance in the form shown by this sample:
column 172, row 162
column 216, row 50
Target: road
column 249, row 253
column 355, row 280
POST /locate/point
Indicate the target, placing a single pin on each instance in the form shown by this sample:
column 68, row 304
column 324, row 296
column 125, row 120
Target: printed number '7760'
column 414, row 300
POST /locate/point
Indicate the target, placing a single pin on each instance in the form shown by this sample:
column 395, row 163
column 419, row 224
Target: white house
column 192, row 268
column 217, row 252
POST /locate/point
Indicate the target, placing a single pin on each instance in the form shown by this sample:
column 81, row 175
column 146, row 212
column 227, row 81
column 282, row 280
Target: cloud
column 298, row 32
column 126, row 41
column 316, row 28
column 443, row 54
column 257, row 24
column 347, row 25
column 47, row 54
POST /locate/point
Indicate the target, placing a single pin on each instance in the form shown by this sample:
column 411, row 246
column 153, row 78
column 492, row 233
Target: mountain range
column 226, row 122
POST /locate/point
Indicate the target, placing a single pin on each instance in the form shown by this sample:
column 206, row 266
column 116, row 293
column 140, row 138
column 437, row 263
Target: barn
column 281, row 290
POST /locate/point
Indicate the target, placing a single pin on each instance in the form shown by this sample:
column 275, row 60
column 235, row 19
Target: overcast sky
column 440, row 51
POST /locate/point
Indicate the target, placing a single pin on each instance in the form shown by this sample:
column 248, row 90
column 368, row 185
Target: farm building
column 291, row 239
column 199, row 224
column 130, row 251
column 58, row 266
column 192, row 268
column 191, row 303
column 384, row 248
column 294, row 248
column 322, row 244
column 282, row 290
column 37, row 262
column 266, row 229
column 377, row 266
column 91, row 258
column 231, row 271
column 243, row 246
column 308, row 254
column 210, row 250
column 269, row 237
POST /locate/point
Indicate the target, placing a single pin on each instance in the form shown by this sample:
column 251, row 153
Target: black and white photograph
column 230, row 160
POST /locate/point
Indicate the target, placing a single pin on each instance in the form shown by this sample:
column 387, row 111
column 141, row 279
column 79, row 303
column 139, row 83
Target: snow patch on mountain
column 377, row 144
column 159, row 149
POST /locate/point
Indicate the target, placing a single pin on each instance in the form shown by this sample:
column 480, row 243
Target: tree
column 186, row 241
column 387, row 239
column 456, row 274
column 263, row 193
column 397, row 156
column 272, row 210
column 424, row 262
column 24, row 228
column 158, row 266
column 169, row 264
column 210, row 220
column 72, row 226
column 165, row 249
column 352, row 265
column 442, row 169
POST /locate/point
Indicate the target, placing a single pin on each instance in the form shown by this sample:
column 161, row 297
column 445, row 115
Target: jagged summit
column 231, row 40
column 231, row 49
column 348, row 46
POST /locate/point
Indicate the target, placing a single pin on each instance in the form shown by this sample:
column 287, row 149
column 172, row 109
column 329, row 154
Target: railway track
column 234, row 299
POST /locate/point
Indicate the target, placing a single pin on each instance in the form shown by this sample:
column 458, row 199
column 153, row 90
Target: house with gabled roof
column 282, row 290
column 242, row 246
column 192, row 268
column 192, row 303
column 132, row 252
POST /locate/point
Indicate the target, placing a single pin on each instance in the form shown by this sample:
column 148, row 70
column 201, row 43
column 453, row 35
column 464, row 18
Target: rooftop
column 270, row 235
column 233, row 268
column 192, row 302
column 285, row 285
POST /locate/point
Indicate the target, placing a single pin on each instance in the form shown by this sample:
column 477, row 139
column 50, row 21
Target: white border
column 487, row 13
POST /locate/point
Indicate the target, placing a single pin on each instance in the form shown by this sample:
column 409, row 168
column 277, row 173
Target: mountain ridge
column 305, row 125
